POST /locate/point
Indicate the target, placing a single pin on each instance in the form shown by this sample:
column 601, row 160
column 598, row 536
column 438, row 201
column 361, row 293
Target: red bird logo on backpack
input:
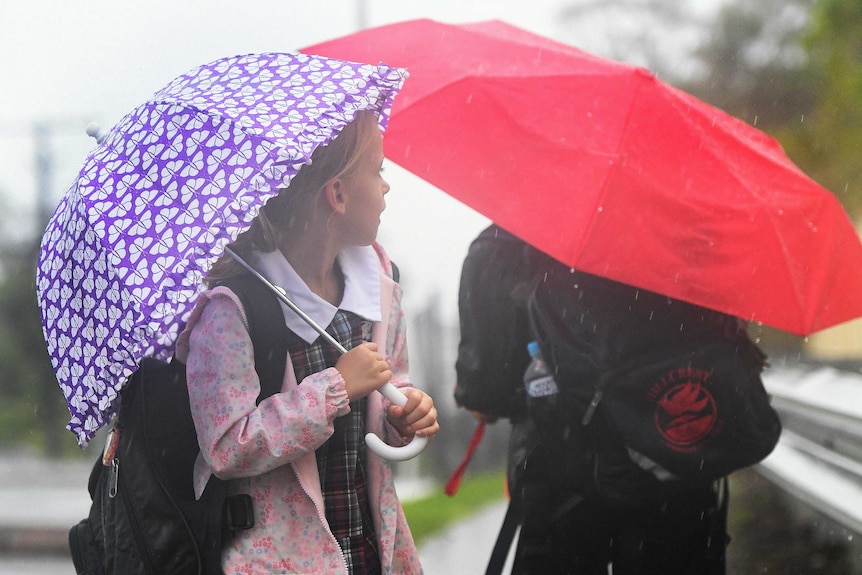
column 685, row 412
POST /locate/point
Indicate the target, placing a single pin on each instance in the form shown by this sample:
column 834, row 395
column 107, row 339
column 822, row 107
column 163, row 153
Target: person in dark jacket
column 570, row 523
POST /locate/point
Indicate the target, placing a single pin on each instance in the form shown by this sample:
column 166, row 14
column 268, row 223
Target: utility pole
column 361, row 14
column 44, row 155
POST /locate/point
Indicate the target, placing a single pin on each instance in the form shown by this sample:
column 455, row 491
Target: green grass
column 429, row 515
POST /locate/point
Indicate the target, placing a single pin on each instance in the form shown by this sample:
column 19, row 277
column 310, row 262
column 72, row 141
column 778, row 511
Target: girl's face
column 364, row 190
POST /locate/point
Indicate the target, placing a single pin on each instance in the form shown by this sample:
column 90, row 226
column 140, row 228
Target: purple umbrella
column 166, row 190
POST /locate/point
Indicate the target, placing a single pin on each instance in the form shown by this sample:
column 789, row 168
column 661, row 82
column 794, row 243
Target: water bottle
column 541, row 388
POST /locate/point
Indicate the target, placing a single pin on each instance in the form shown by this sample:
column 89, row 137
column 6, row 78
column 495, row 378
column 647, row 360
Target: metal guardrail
column 819, row 457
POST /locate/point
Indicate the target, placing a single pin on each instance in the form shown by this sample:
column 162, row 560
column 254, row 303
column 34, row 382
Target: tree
column 754, row 65
column 828, row 141
column 659, row 35
column 747, row 59
column 32, row 409
column 794, row 69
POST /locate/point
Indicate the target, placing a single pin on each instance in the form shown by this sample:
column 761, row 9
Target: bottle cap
column 533, row 348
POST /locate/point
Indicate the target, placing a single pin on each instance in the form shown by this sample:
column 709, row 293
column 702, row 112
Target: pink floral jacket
column 267, row 450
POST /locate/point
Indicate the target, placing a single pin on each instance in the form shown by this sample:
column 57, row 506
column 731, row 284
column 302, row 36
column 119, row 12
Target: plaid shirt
column 341, row 461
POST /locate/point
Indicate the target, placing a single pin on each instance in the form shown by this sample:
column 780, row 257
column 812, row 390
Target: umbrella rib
column 798, row 295
column 617, row 158
column 719, row 124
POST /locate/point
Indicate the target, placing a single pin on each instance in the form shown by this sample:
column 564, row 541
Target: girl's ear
column 334, row 192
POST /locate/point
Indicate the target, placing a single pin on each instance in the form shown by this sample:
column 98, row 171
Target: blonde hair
column 293, row 205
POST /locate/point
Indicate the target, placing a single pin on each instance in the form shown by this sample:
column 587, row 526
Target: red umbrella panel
column 613, row 172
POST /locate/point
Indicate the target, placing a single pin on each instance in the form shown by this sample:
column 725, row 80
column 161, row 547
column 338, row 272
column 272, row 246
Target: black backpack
column 665, row 392
column 492, row 352
column 144, row 518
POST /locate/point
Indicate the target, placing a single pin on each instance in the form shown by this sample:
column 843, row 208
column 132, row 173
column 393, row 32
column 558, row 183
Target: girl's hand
column 417, row 416
column 364, row 369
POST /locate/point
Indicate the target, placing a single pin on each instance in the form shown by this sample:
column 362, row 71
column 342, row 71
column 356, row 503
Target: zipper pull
column 111, row 443
column 588, row 416
column 114, row 478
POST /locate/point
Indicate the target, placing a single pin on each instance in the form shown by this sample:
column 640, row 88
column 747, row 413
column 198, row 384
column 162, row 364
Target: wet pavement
column 466, row 547
column 41, row 500
column 771, row 533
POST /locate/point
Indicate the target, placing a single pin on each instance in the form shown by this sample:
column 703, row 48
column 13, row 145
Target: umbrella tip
column 95, row 131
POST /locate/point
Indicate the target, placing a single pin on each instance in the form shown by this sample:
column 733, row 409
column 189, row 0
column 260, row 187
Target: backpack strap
column 268, row 334
column 504, row 539
column 267, row 329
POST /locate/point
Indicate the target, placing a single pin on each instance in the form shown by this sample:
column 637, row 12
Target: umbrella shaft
column 282, row 296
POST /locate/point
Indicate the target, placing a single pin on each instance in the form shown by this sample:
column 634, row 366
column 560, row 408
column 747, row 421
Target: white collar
column 361, row 270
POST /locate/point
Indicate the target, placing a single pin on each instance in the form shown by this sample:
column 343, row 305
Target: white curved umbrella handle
column 388, row 390
column 375, row 444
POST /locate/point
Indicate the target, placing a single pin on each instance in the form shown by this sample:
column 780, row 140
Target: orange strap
column 455, row 481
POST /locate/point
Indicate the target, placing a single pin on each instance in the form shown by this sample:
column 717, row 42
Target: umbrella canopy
column 613, row 172
column 168, row 187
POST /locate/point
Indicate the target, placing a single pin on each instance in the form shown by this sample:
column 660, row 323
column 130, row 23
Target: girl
column 323, row 503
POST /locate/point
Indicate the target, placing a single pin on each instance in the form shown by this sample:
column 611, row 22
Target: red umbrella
column 615, row 173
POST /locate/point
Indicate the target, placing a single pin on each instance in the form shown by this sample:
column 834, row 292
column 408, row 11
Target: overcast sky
column 68, row 63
